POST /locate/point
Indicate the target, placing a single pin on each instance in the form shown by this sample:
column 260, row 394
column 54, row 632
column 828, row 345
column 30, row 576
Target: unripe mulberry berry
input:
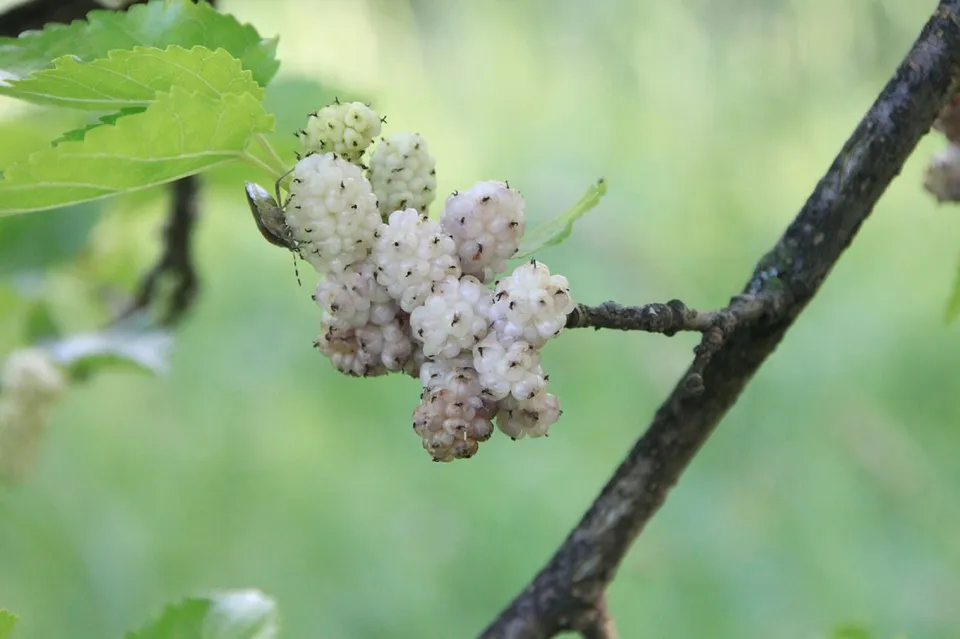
column 411, row 253
column 531, row 305
column 353, row 298
column 403, row 173
column 346, row 129
column 533, row 417
column 454, row 415
column 332, row 212
column 486, row 221
column 454, row 317
column 509, row 369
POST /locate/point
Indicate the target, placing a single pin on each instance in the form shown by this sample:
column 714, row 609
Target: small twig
column 176, row 260
column 674, row 317
column 598, row 624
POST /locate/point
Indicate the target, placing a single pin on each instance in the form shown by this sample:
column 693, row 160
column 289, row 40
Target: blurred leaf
column 34, row 242
column 134, row 78
column 155, row 24
column 242, row 614
column 182, row 620
column 850, row 632
column 178, row 135
column 85, row 354
column 953, row 304
column 7, row 621
column 558, row 229
column 239, row 614
column 40, row 323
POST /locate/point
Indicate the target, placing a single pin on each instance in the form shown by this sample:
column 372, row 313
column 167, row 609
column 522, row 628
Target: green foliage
column 246, row 614
column 157, row 24
column 7, row 622
column 135, row 78
column 179, row 134
column 40, row 323
column 558, row 229
column 33, row 242
column 952, row 310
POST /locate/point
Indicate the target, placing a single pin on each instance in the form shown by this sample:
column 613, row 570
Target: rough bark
column 569, row 592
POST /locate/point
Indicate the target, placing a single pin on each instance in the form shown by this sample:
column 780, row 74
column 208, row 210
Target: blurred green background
column 829, row 496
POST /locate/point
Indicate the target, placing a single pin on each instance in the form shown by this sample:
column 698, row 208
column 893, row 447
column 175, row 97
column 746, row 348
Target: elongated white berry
column 508, row 369
column 531, row 305
column 486, row 221
column 346, row 129
column 533, row 417
column 332, row 212
column 30, row 377
column 352, row 298
column 454, row 415
column 30, row 384
column 403, row 173
column 454, row 317
column 412, row 253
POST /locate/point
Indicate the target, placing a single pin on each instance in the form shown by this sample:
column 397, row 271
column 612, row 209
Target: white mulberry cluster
column 453, row 318
column 486, row 221
column 405, row 293
column 344, row 128
column 332, row 212
column 531, row 304
column 403, row 173
column 412, row 253
column 30, row 384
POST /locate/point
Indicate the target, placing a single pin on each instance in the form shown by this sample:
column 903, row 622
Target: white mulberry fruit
column 454, row 416
column 533, row 417
column 332, row 212
column 411, row 253
column 486, row 221
column 345, row 128
column 509, row 369
column 368, row 351
column 403, row 173
column 453, row 318
column 353, row 298
column 531, row 305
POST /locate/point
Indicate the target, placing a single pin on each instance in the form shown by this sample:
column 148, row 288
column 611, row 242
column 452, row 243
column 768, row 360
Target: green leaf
column 558, row 229
column 178, row 135
column 953, row 304
column 155, row 24
column 85, row 354
column 35, row 242
column 41, row 325
column 7, row 621
column 133, row 78
column 76, row 135
column 237, row 614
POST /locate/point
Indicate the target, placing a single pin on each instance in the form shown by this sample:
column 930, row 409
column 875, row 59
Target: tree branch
column 571, row 587
column 176, row 260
